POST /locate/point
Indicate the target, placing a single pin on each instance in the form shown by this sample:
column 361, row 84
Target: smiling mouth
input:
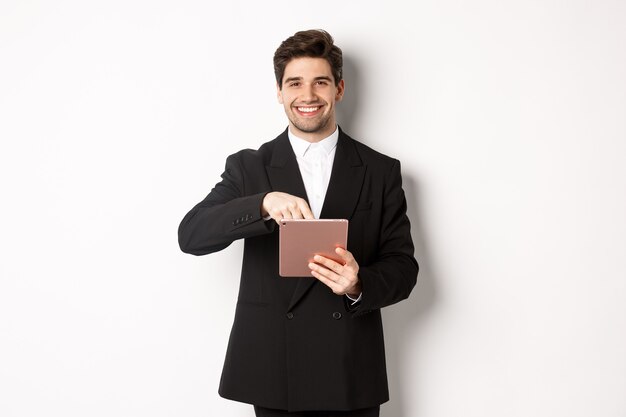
column 308, row 110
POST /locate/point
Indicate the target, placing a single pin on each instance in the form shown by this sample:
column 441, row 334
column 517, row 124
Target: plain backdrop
column 509, row 118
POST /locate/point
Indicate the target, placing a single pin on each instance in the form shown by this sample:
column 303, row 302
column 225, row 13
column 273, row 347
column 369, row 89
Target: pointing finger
column 306, row 211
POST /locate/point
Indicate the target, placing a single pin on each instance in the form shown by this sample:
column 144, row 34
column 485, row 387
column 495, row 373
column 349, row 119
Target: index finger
column 306, row 211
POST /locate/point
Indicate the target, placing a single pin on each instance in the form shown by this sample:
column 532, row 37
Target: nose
column 308, row 94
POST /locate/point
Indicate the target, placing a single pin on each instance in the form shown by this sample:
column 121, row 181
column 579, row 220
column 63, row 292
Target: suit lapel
column 344, row 188
column 283, row 171
column 346, row 181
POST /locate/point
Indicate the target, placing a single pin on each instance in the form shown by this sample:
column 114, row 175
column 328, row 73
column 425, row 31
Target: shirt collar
column 301, row 146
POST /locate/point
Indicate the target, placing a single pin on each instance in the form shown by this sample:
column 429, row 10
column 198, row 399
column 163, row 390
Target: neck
column 313, row 137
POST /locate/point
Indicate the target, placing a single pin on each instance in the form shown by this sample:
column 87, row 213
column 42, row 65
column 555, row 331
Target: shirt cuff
column 355, row 300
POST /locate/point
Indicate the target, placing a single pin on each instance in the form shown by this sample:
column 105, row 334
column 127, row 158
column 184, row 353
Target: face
column 309, row 95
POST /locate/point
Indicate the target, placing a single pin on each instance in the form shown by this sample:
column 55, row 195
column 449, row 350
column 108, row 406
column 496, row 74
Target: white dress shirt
column 315, row 161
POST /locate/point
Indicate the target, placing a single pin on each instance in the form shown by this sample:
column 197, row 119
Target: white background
column 510, row 121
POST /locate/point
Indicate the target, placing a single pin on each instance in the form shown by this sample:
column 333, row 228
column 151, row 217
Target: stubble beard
column 309, row 126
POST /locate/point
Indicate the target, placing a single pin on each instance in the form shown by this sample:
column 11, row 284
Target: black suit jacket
column 295, row 345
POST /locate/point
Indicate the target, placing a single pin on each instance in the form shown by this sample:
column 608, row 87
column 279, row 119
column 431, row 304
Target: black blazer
column 295, row 345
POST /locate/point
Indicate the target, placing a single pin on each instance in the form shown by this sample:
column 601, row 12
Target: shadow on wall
column 401, row 321
column 348, row 110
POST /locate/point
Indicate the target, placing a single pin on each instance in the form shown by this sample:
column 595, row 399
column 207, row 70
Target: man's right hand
column 285, row 206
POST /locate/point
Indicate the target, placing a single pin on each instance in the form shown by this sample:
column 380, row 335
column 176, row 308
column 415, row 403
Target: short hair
column 315, row 43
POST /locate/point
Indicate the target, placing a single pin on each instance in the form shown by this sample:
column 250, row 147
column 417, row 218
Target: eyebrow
column 321, row 77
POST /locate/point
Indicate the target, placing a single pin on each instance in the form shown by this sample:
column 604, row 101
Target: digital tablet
column 301, row 239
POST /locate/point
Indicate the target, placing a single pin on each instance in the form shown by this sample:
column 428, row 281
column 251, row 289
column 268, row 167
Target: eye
column 294, row 84
column 321, row 82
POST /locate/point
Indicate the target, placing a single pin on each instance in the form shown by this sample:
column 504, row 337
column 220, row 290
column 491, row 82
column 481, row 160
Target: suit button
column 290, row 315
column 336, row 315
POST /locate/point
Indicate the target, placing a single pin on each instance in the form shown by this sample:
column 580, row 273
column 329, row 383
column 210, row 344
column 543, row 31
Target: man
column 310, row 346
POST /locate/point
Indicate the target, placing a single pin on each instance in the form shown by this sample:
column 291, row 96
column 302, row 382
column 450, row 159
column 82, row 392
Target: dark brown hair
column 315, row 43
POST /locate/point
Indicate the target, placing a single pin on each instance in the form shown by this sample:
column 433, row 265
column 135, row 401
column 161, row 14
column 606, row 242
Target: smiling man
column 310, row 346
column 308, row 92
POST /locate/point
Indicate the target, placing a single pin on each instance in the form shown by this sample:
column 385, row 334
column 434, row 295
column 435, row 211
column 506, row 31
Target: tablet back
column 301, row 239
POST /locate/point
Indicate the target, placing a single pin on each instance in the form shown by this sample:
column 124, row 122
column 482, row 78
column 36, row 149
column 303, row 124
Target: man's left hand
column 343, row 279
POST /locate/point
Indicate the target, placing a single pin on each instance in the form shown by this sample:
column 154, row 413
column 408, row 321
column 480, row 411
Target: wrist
column 355, row 292
column 264, row 212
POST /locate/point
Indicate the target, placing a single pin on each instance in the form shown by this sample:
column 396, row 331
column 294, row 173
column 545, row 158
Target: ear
column 341, row 88
column 279, row 94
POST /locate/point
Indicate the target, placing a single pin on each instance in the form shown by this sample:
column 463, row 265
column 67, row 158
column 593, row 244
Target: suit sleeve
column 393, row 275
column 225, row 215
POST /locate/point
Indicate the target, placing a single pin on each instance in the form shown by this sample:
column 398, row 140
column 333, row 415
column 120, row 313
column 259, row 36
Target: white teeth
column 307, row 109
